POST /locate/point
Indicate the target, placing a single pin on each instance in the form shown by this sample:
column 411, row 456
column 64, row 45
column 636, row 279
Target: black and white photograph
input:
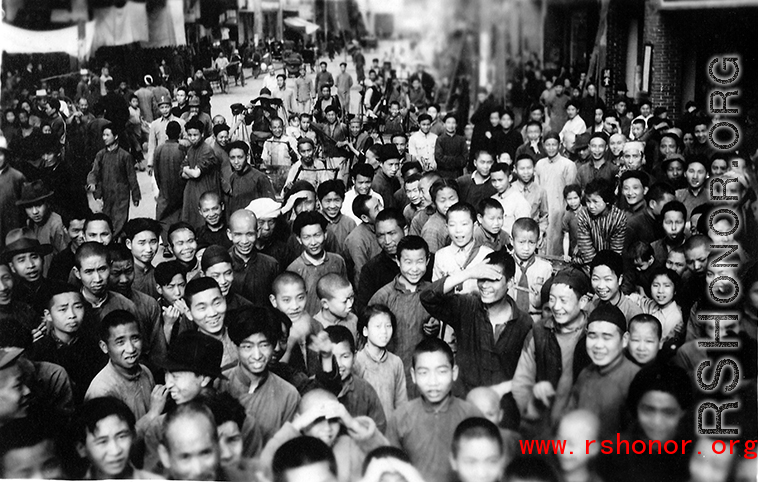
column 379, row 240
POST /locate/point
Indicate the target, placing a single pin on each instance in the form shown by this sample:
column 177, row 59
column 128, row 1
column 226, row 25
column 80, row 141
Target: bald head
column 242, row 216
column 487, row 401
column 581, row 424
column 189, row 446
column 243, row 232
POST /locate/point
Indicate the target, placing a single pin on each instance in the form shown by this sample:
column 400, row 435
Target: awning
column 301, row 24
column 21, row 41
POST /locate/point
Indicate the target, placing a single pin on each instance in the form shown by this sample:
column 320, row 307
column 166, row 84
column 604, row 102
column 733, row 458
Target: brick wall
column 666, row 76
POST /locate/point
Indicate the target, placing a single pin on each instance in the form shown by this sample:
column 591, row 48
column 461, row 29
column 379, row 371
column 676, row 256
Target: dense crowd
column 402, row 292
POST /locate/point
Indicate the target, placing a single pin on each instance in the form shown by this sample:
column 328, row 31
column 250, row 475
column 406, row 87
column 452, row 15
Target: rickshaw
column 292, row 64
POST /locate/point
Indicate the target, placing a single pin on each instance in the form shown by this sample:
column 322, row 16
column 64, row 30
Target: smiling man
column 142, row 238
column 124, row 377
column 121, row 279
column 192, row 363
column 602, row 225
column 105, row 434
column 489, row 328
column 314, row 262
column 182, row 240
column 208, row 310
column 254, row 272
column 602, row 387
column 545, row 372
column 633, row 187
column 266, row 397
column 606, row 276
column 598, row 167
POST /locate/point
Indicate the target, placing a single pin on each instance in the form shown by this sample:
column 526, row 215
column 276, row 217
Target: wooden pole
column 258, row 20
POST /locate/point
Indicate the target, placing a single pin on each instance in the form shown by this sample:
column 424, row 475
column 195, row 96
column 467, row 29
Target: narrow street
column 221, row 103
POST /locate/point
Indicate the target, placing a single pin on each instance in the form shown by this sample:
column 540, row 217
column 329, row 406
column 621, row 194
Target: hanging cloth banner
column 21, row 41
column 120, row 26
column 166, row 25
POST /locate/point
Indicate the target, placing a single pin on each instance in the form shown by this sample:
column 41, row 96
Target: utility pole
column 280, row 22
column 258, row 20
column 326, row 20
column 486, row 22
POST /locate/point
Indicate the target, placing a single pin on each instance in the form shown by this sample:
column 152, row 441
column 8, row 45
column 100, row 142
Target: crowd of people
column 340, row 294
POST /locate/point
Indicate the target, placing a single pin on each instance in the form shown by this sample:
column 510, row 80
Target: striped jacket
column 594, row 234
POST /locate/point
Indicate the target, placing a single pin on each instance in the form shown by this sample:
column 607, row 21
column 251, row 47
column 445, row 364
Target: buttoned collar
column 336, row 219
column 143, row 270
column 476, row 175
column 523, row 187
column 613, row 366
column 348, row 385
column 238, row 260
column 382, row 358
column 308, row 260
column 240, row 376
column 443, row 407
column 130, row 378
column 401, row 288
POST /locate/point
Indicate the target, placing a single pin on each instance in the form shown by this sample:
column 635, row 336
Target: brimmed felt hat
column 24, row 245
column 192, row 351
column 194, row 101
column 582, row 141
column 387, row 152
column 33, row 192
column 9, row 355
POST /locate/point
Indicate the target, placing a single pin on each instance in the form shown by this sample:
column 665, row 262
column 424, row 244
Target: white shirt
column 445, row 264
column 347, row 204
column 421, row 148
column 515, row 207
column 575, row 125
column 269, row 82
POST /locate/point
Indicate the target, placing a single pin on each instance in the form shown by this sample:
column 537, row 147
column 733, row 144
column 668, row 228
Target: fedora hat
column 582, row 141
column 192, row 351
column 33, row 192
column 9, row 355
column 24, row 245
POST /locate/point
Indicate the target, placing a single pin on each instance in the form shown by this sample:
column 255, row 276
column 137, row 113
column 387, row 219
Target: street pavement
column 221, row 103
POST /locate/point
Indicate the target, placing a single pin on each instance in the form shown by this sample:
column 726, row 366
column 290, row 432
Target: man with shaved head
column 488, row 402
column 577, row 428
column 189, row 447
column 320, row 415
column 254, row 272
